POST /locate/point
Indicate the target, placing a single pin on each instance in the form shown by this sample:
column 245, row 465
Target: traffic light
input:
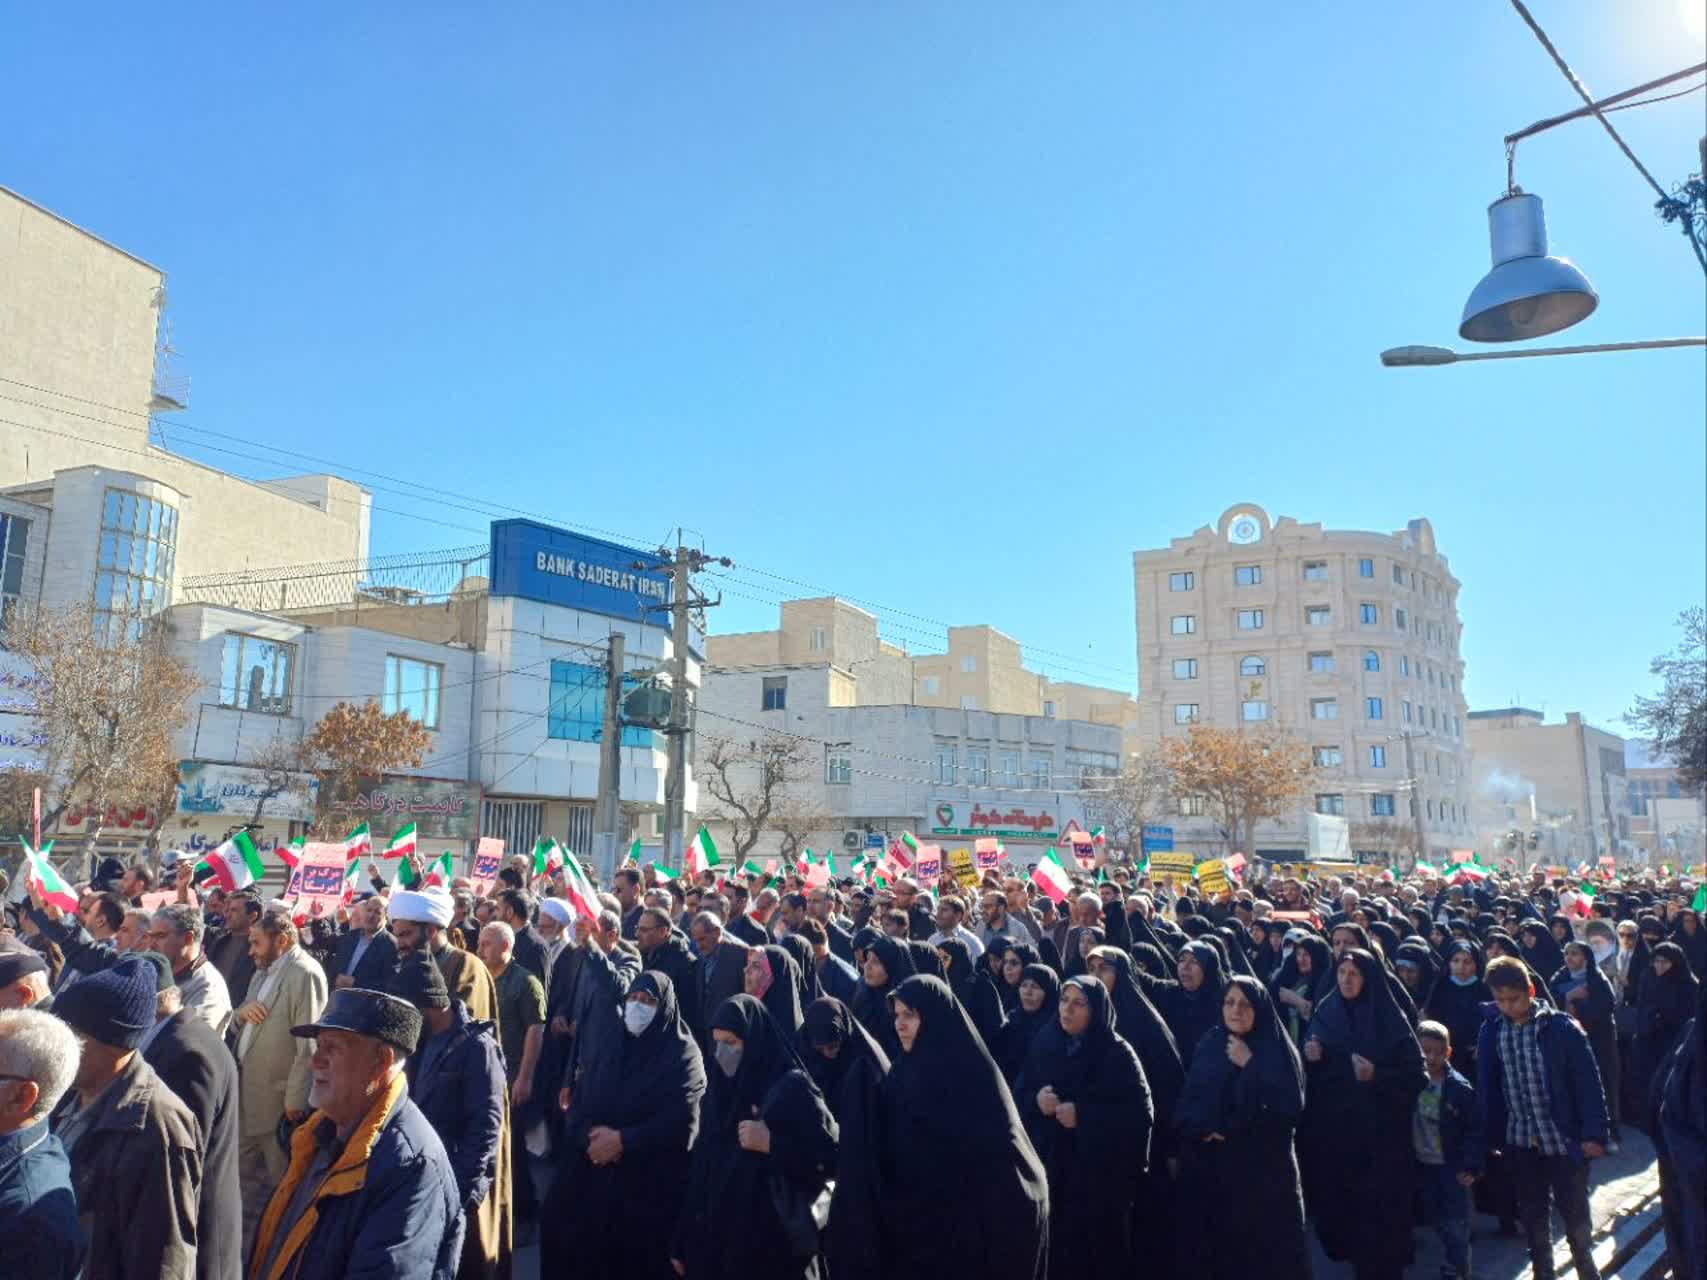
column 1534, row 840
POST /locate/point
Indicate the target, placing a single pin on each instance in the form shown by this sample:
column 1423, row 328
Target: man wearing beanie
column 369, row 1190
column 419, row 921
column 136, row 1163
column 457, row 1079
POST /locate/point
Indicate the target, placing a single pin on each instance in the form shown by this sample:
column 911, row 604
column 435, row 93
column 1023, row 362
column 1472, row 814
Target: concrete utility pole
column 683, row 563
column 607, row 809
column 1416, row 797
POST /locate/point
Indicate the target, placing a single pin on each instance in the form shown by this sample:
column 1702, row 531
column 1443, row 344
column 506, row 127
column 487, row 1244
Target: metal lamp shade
column 1527, row 294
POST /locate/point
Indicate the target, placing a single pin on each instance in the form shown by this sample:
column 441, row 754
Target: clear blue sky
column 945, row 306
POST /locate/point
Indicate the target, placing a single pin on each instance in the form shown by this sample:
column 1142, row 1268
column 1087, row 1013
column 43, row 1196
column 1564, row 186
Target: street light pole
column 1413, row 357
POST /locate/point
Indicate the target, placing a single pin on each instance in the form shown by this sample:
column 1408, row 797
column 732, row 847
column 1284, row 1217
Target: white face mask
column 637, row 1017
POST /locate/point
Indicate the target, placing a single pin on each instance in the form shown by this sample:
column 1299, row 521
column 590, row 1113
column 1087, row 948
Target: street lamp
column 1528, row 293
column 1412, row 357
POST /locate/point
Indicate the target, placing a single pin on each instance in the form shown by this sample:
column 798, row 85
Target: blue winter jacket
column 1461, row 1138
column 1574, row 1091
column 39, row 1232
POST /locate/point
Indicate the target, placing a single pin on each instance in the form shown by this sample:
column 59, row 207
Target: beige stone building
column 1348, row 639
column 85, row 368
column 1564, row 782
column 983, row 670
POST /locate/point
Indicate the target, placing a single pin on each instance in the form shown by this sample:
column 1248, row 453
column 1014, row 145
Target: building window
column 1253, row 666
column 1315, row 571
column 1191, row 806
column 1247, row 575
column 1399, row 619
column 944, row 763
column 838, row 769
column 774, row 694
column 1181, row 581
column 133, row 566
column 1381, row 805
column 1428, row 674
column 978, row 768
column 1428, row 806
column 1040, row 767
column 1185, row 668
column 931, row 685
column 1372, row 708
column 1185, row 713
column 1378, row 757
column 576, row 712
column 1318, row 615
column 1324, row 709
column 1368, row 613
column 1366, row 568
column 968, row 702
column 817, row 641
column 1371, row 660
column 1404, row 665
column 1325, row 757
column 14, row 542
column 1183, row 624
column 413, row 686
column 1010, row 768
column 1333, row 803
column 1250, row 619
column 1254, row 709
column 969, row 662
column 1405, row 710
column 1048, row 710
column 255, row 674
column 1433, row 719
column 1322, row 664
column 1398, row 573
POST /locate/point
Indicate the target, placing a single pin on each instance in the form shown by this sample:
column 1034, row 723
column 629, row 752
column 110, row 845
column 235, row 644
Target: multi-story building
column 1566, row 783
column 1666, row 818
column 876, row 770
column 983, row 670
column 1348, row 640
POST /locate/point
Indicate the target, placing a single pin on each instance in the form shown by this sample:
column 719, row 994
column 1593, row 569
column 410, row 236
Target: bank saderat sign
column 440, row 808
column 235, row 790
column 538, row 562
column 975, row 818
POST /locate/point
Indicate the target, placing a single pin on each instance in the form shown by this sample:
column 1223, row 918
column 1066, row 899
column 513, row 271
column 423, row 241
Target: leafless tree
column 749, row 781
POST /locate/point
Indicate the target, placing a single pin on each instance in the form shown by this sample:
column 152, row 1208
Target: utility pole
column 1416, row 797
column 683, row 563
column 607, row 808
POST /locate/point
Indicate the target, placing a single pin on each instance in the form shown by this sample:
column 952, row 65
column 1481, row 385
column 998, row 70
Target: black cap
column 163, row 979
column 368, row 1013
column 17, row 960
column 417, row 979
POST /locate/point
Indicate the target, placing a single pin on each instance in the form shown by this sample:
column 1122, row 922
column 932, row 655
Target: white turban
column 425, row 906
column 557, row 909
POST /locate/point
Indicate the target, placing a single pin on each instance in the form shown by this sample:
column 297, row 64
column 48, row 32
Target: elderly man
column 196, row 1065
column 136, row 1164
column 23, row 977
column 288, row 989
column 176, row 933
column 367, row 1165
column 521, row 1026
column 420, row 920
column 457, row 1079
column 133, row 933
column 367, row 953
column 555, row 917
column 39, row 1231
column 721, row 964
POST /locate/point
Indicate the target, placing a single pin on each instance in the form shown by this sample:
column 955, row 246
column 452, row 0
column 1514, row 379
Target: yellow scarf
column 347, row 1174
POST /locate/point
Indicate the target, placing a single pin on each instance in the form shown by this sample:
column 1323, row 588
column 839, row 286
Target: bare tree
column 1124, row 803
column 284, row 768
column 749, row 782
column 1384, row 835
column 795, row 821
column 109, row 702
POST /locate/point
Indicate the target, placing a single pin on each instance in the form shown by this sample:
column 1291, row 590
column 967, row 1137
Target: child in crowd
column 1443, row 1134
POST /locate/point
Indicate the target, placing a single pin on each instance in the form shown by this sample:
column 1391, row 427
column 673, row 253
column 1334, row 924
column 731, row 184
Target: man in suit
column 367, row 954
column 514, row 907
column 663, row 950
column 196, row 1065
column 721, row 962
column 288, row 989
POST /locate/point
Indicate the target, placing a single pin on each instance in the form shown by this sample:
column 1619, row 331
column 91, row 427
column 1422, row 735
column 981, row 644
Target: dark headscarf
column 829, row 1021
column 1028, row 955
column 1541, row 951
column 871, row 1004
column 925, row 958
column 782, row 998
column 800, row 951
column 974, row 988
column 766, row 1055
column 1190, row 1013
column 1208, row 1102
column 1141, row 1026
column 1021, row 1028
column 652, row 1072
column 1368, row 1025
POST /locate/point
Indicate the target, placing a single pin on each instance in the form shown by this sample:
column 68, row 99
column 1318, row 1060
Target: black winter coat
column 196, row 1065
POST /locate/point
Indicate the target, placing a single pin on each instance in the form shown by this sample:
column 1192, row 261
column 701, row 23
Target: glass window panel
column 111, row 509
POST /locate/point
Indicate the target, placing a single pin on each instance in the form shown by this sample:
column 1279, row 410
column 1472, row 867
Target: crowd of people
column 750, row 1078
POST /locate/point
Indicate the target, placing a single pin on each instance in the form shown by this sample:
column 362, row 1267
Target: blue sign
column 538, row 562
column 1158, row 839
column 874, row 840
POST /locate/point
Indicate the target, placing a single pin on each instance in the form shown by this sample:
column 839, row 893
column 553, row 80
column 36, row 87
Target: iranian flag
column 633, row 858
column 46, row 880
column 547, row 857
column 236, row 864
column 292, row 852
column 1469, row 873
column 1700, row 901
column 401, row 845
column 352, row 881
column 1051, row 877
column 816, row 874
column 1098, row 837
column 663, row 873
column 359, row 843
column 751, row 868
column 702, row 852
column 1426, row 869
column 440, row 871
column 905, row 851
column 582, row 896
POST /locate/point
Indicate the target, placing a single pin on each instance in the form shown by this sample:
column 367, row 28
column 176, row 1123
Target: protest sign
column 1171, row 866
column 488, row 858
column 322, row 879
column 988, row 852
column 154, row 901
column 1462, row 855
column 962, row 867
column 927, row 865
column 1212, row 878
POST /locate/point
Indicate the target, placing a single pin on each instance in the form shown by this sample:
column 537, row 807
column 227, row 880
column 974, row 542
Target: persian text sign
column 1212, row 877
column 1175, row 866
column 322, row 878
column 963, row 868
column 488, row 858
column 441, row 809
column 971, row 819
column 233, row 789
